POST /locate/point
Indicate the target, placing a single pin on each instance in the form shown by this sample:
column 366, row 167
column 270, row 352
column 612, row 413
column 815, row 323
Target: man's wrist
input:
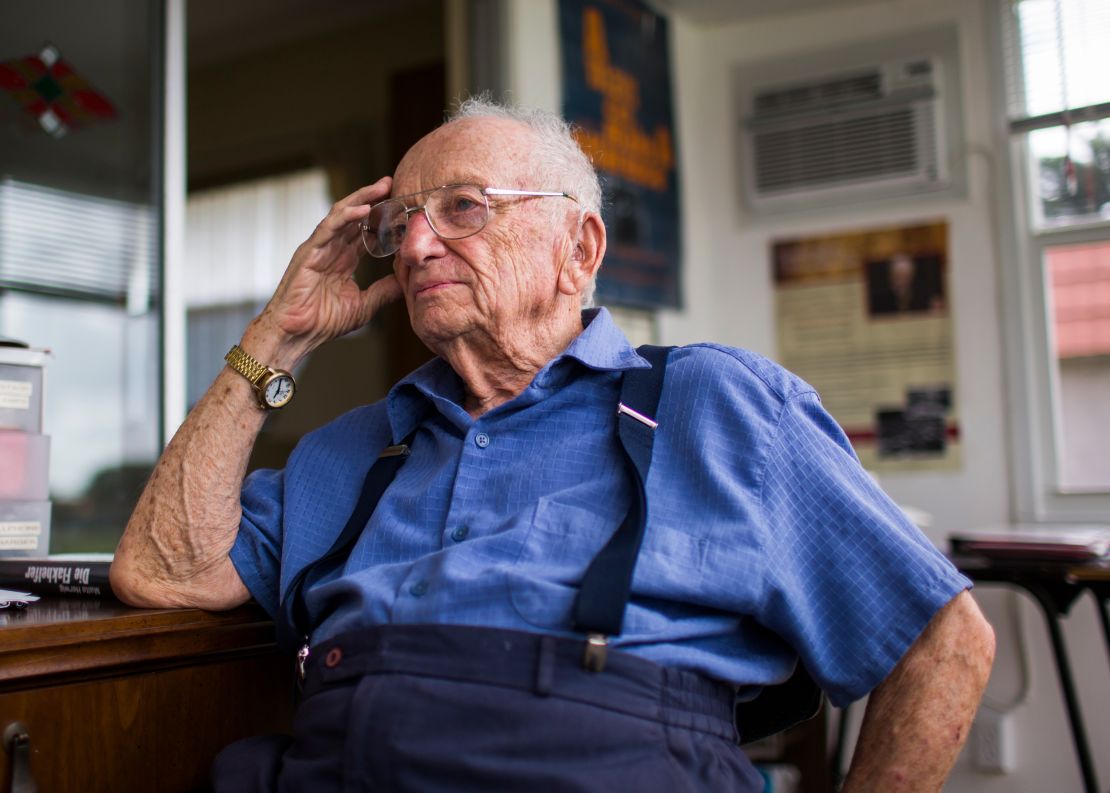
column 265, row 342
column 273, row 388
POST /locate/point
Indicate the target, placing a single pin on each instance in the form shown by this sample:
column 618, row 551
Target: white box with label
column 24, row 528
column 21, row 385
column 24, row 466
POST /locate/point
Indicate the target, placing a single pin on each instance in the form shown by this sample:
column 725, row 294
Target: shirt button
column 419, row 589
column 482, row 440
column 459, row 534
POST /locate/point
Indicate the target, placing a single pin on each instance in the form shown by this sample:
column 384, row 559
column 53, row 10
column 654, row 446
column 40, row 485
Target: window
column 1059, row 120
column 256, row 226
column 1079, row 279
column 80, row 224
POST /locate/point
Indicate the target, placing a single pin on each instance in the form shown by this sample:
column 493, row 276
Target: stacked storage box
column 24, row 454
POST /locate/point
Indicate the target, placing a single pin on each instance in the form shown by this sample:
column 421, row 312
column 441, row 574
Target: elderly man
column 444, row 644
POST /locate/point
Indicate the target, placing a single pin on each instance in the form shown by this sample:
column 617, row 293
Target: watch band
column 244, row 363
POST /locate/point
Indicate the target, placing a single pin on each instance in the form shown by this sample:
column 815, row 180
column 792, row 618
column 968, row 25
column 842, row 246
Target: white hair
column 559, row 163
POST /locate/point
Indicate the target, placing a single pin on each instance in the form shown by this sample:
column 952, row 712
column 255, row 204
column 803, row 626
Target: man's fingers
column 348, row 211
column 341, row 220
column 378, row 191
column 353, row 233
column 382, row 292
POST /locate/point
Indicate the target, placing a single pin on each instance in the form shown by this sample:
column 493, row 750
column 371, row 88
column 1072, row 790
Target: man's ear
column 585, row 257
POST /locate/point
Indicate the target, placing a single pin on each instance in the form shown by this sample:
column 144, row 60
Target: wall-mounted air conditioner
column 871, row 122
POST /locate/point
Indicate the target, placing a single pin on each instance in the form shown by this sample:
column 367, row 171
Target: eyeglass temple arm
column 507, row 191
column 364, row 224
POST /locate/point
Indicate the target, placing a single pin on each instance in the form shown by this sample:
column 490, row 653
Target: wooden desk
column 121, row 699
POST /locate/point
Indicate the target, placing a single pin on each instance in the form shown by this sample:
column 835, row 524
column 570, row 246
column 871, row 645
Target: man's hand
column 918, row 718
column 318, row 299
column 174, row 551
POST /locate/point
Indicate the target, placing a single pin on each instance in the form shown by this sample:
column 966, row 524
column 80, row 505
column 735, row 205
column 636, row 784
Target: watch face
column 278, row 391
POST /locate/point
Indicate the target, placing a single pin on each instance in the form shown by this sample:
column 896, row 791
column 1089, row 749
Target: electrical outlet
column 992, row 742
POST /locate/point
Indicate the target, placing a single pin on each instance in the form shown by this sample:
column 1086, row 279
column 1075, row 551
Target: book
column 1036, row 543
column 80, row 574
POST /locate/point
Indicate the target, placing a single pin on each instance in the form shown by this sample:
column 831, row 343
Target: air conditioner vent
column 819, row 95
column 843, row 150
column 873, row 121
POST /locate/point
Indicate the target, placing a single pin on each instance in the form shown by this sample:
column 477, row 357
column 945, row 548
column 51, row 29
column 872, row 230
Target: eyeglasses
column 453, row 211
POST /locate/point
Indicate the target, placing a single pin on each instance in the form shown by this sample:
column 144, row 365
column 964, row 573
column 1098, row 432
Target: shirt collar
column 600, row 346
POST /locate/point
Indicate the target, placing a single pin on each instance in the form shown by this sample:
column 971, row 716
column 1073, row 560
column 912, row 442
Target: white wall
column 729, row 296
column 728, row 271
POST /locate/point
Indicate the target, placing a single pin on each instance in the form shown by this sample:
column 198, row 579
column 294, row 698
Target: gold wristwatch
column 273, row 387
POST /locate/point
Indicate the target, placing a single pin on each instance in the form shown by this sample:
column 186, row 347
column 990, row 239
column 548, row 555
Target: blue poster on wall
column 617, row 91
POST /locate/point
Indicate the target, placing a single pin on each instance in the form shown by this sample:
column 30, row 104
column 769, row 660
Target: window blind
column 63, row 243
column 239, row 238
column 1058, row 61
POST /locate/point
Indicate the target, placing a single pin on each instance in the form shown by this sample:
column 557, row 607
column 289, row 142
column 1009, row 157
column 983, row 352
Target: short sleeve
column 256, row 553
column 851, row 582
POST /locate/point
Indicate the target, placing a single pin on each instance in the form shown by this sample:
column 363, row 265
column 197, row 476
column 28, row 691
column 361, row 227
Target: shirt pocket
column 558, row 548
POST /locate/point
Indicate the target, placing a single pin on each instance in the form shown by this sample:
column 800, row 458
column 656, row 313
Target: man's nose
column 420, row 241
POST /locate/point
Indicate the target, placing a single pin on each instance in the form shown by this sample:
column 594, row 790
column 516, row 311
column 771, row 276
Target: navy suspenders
column 293, row 630
column 603, row 595
column 599, row 610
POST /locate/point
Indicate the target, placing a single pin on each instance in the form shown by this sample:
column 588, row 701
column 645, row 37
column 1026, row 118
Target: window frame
column 104, row 305
column 1031, row 380
column 173, row 175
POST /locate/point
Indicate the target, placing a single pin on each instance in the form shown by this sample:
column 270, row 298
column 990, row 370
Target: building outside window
column 1056, row 62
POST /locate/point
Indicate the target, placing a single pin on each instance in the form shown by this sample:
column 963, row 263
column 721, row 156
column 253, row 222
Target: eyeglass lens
column 453, row 212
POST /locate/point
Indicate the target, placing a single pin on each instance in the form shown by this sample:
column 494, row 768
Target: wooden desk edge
column 61, row 640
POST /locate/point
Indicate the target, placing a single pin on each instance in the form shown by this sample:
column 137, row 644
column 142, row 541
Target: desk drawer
column 147, row 731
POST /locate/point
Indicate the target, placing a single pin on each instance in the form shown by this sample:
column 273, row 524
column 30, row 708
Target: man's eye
column 460, row 205
column 395, row 230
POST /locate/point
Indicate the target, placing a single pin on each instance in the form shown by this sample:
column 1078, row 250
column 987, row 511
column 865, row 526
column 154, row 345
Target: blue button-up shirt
column 765, row 538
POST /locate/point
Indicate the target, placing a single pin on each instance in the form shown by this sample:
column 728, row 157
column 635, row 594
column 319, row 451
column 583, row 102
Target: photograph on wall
column 617, row 93
column 864, row 317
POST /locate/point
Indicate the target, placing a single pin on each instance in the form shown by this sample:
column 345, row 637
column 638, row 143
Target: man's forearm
column 917, row 719
column 174, row 551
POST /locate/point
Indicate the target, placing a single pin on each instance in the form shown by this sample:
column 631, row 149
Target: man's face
column 500, row 283
column 901, row 273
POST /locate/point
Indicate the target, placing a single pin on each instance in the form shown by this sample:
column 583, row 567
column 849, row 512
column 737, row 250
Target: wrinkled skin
column 501, row 303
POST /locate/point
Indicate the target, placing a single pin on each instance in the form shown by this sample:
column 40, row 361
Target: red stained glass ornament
column 48, row 88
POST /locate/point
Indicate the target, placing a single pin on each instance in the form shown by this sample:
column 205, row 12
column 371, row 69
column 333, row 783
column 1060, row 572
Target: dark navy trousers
column 438, row 709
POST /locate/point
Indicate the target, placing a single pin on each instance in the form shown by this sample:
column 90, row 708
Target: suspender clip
column 597, row 649
column 400, row 450
column 302, row 657
column 623, row 409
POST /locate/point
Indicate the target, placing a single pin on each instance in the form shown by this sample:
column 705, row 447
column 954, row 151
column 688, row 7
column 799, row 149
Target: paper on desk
column 1036, row 541
column 10, row 597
